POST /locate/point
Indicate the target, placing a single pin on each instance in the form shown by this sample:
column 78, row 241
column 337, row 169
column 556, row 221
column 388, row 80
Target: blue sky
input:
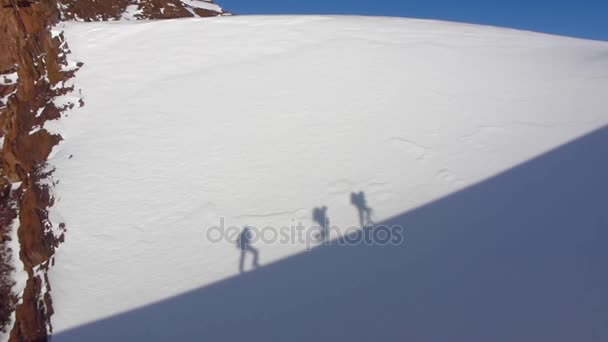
column 584, row 18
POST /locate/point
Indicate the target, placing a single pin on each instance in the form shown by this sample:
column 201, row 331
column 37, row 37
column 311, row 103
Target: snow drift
column 258, row 120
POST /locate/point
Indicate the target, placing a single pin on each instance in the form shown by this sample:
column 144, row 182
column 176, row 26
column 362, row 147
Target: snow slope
column 261, row 119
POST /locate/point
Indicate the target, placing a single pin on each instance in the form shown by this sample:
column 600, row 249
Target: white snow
column 39, row 112
column 8, row 80
column 66, row 101
column 132, row 12
column 203, row 4
column 35, row 129
column 260, row 119
column 56, row 31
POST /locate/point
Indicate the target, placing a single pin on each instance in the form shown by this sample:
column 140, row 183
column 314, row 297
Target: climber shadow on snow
column 319, row 216
column 365, row 212
column 520, row 256
column 244, row 244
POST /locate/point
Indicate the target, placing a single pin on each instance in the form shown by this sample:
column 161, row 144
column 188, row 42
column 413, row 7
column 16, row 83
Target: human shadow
column 365, row 212
column 244, row 244
column 319, row 215
column 520, row 256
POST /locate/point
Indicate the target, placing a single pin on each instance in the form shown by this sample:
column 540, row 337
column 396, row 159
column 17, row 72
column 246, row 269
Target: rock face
column 35, row 87
column 33, row 72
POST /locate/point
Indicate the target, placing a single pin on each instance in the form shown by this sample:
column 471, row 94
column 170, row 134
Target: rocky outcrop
column 33, row 73
column 8, row 300
column 35, row 87
column 92, row 10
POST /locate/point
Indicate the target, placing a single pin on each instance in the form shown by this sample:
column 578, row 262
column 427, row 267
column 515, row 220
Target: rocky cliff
column 36, row 86
column 34, row 71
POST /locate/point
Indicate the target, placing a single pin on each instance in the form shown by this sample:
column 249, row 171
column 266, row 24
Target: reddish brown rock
column 7, row 215
column 92, row 10
column 30, row 51
column 33, row 69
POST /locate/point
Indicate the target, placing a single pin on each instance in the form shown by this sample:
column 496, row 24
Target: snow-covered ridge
column 135, row 11
column 91, row 10
column 258, row 120
column 203, row 4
